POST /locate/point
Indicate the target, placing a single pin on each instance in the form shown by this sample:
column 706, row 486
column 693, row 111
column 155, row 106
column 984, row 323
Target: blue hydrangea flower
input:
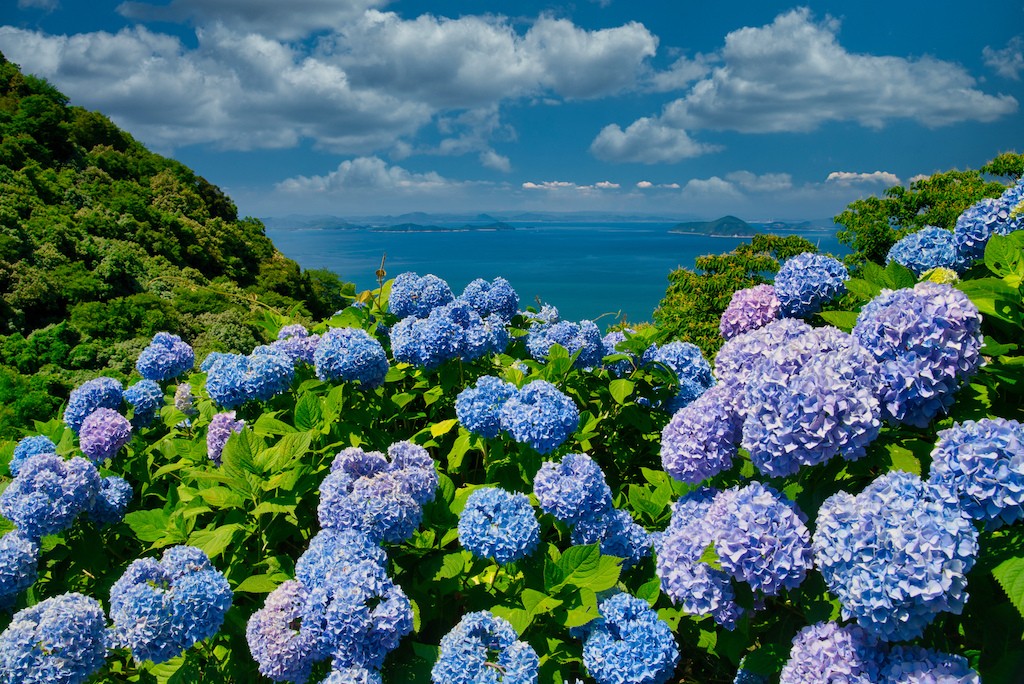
column 19, row 560
column 451, row 331
column 233, row 379
column 49, row 493
column 217, row 433
column 283, row 646
column 931, row 247
column 28, row 447
column 546, row 316
column 159, row 609
column 976, row 226
column 60, row 640
column 478, row 407
column 351, row 354
column 829, row 652
column 166, row 357
column 916, row 665
column 111, row 501
column 498, row 524
column 417, row 468
column 212, row 358
column 749, row 309
column 895, row 555
column 737, row 357
column 541, row 416
column 979, row 465
column 691, row 368
column 700, row 440
column 745, row 676
column 582, row 337
column 147, row 398
column 353, row 675
column 103, row 433
column 617, row 534
column 99, row 393
column 807, row 281
column 415, row 296
column 484, row 649
column 572, row 489
column 927, row 341
column 331, row 549
column 296, row 342
column 497, row 297
column 629, row 643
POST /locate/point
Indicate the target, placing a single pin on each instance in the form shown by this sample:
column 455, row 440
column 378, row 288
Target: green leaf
column 650, row 591
column 519, row 618
column 863, row 288
column 309, row 415
column 452, row 565
column 538, row 603
column 900, row 276
column 149, row 525
column 1010, row 575
column 268, row 425
column 903, row 459
column 844, row 320
column 768, row 659
column 620, row 389
column 222, row 497
column 585, row 567
column 442, row 428
column 258, row 584
column 214, row 542
column 402, row 398
column 178, row 670
column 875, row 275
column 1003, row 256
column 710, row 556
column 459, row 450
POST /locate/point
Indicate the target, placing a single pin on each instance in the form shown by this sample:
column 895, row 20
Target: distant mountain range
column 419, row 228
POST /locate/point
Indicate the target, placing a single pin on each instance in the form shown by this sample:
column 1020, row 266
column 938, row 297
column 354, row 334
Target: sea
column 601, row 272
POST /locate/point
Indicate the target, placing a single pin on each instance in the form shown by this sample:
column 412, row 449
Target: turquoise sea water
column 587, row 271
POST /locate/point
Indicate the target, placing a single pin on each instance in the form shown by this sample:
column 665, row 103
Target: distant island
column 727, row 226
column 417, row 228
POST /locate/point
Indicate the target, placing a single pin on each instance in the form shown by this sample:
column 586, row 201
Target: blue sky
column 349, row 107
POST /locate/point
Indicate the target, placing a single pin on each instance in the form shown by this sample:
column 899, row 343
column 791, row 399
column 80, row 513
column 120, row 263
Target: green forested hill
column 103, row 243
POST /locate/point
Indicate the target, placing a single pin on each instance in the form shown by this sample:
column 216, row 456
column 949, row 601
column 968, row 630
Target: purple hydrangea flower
column 99, row 393
column 147, row 398
column 629, row 643
column 807, row 281
column 416, row 466
column 296, row 342
column 915, row 665
column 103, row 433
column 111, row 501
column 928, row 343
column 582, row 337
column 498, row 524
column 49, row 493
column 828, row 652
column 496, row 297
column 353, row 675
column 19, row 559
column 349, row 355
column 573, row 489
column 284, row 646
column 166, row 357
column 737, row 357
column 415, row 296
column 979, row 465
column 749, row 309
column 895, row 555
column 60, row 640
column 220, row 428
column 931, row 247
column 478, row 407
column 700, row 440
column 28, row 447
column 541, row 416
column 484, row 648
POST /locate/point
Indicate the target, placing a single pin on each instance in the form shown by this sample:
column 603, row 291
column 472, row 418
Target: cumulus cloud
column 680, row 75
column 768, row 182
column 1009, row 61
column 713, row 188
column 365, row 174
column 919, row 177
column 648, row 141
column 849, row 178
column 563, row 186
column 493, row 160
column 646, row 185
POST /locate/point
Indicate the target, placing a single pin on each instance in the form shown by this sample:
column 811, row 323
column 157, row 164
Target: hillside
column 727, row 226
column 103, row 243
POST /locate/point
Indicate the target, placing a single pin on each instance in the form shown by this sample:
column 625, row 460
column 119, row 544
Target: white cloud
column 846, row 178
column 48, row 5
column 606, row 185
column 493, row 160
column 768, row 182
column 1009, row 61
column 680, row 75
column 919, row 177
column 645, row 184
column 648, row 141
column 713, row 188
column 365, row 174
column 564, row 186
column 548, row 185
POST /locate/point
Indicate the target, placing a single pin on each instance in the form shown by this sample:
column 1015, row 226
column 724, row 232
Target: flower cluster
column 467, row 650
column 498, row 524
column 351, row 354
column 112, row 500
column 233, row 379
column 749, row 309
column 61, row 640
column 927, row 341
column 496, row 297
column 828, row 652
column 297, row 343
column 99, row 393
column 217, row 433
column 49, row 493
column 976, row 226
column 931, row 247
column 414, row 296
column 690, row 367
column 979, row 465
column 582, row 337
column 451, row 331
column 737, row 358
column 895, row 555
column 103, row 433
column 166, row 357
column 159, row 609
column 283, row 646
column 540, row 415
column 916, row 665
column 807, row 281
column 184, row 401
column 478, row 408
column 28, row 447
column 700, row 440
column 629, row 643
column 19, row 556
column 146, row 398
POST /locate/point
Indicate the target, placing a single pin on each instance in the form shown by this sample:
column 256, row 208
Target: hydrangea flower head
column 451, row 331
column 353, row 675
column 807, row 281
column 166, row 357
column 111, row 501
column 478, row 407
column 233, row 379
column 629, row 643
column 484, row 649
column 828, row 652
column 573, row 489
column 147, row 398
column 700, row 440
column 58, row 641
column 976, row 226
column 49, row 493
column 582, row 337
column 916, row 665
column 931, row 247
column 941, row 275
column 217, row 433
column 979, row 465
column 498, row 524
column 415, row 296
column 749, row 309
column 351, row 354
column 332, row 549
column 541, row 416
column 738, row 356
column 19, row 560
column 28, row 447
column 497, row 297
column 283, row 646
column 296, row 342
column 103, row 433
column 617, row 534
column 691, row 368
column 99, row 393
column 895, row 555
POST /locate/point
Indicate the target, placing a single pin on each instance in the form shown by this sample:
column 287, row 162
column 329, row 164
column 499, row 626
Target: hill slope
column 727, row 226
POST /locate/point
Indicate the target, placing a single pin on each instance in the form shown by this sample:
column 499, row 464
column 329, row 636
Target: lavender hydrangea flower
column 828, row 652
column 749, row 309
column 147, row 398
column 159, row 609
column 498, row 524
column 415, row 296
column 99, row 393
column 629, row 643
column 807, row 281
column 103, row 433
column 582, row 337
column 737, row 357
column 111, row 501
column 541, row 416
column 353, row 675
column 166, row 357
column 28, row 447
column 19, row 559
column 979, row 465
column 415, row 465
column 467, row 652
column 332, row 549
column 49, row 493
column 931, row 247
column 296, row 342
column 220, row 428
column 58, row 641
column 572, row 489
column 700, row 440
column 284, row 646
column 915, row 665
column 351, row 354
column 928, row 343
column 497, row 297
column 478, row 407
column 895, row 555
